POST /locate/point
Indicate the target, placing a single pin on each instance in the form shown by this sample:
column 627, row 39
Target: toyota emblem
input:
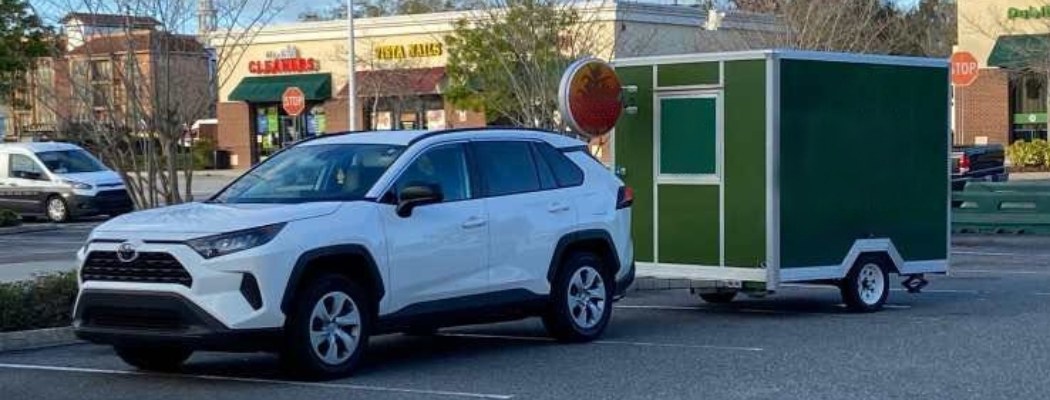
column 127, row 252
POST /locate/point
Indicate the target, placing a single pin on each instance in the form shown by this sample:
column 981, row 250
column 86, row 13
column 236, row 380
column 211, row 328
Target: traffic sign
column 293, row 101
column 964, row 69
column 589, row 97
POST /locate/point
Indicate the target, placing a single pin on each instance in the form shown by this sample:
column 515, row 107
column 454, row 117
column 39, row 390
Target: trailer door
column 688, row 185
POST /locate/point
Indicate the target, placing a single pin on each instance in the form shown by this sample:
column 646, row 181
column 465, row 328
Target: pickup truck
column 978, row 163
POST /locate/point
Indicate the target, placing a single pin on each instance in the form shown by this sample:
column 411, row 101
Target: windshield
column 333, row 172
column 70, row 162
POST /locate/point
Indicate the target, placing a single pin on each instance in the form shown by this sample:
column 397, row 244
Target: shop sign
column 1030, row 13
column 589, row 97
column 284, row 61
column 1032, row 118
column 411, row 50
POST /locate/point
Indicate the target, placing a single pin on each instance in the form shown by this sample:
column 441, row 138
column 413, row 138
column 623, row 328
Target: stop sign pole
column 964, row 70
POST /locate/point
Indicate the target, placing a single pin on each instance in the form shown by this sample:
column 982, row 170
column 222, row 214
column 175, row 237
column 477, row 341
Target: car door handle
column 557, row 207
column 474, row 222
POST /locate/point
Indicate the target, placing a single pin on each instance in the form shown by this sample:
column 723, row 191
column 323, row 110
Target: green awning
column 1021, row 51
column 268, row 89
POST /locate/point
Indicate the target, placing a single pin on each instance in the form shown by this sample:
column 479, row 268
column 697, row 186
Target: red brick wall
column 235, row 133
column 983, row 108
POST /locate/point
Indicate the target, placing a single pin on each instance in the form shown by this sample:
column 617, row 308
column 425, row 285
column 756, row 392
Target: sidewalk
column 1030, row 176
column 21, row 271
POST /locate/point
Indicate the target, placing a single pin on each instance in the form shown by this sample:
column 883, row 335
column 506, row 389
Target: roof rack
column 480, row 128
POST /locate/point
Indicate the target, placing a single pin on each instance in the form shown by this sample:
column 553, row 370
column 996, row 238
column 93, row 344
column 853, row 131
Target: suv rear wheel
column 154, row 358
column 581, row 299
column 328, row 329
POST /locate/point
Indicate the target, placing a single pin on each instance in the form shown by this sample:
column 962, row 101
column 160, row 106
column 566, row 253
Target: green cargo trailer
column 751, row 169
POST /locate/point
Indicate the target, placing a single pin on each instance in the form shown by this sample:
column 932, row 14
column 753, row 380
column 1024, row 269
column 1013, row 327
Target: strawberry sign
column 589, row 97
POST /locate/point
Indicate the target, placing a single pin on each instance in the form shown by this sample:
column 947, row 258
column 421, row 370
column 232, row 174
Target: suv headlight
column 77, row 185
column 228, row 243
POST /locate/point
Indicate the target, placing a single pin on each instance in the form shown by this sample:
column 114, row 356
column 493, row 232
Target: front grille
column 113, row 199
column 147, row 267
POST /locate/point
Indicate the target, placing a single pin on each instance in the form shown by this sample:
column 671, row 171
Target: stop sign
column 964, row 68
column 293, row 101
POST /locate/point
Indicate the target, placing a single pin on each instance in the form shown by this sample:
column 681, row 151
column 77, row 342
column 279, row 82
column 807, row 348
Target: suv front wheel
column 328, row 329
column 581, row 299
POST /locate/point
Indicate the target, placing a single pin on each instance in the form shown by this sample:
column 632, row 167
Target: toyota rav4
column 346, row 236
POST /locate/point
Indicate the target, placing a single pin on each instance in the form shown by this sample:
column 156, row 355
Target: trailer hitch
column 915, row 283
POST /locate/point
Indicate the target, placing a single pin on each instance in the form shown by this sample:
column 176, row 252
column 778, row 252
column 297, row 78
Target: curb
column 644, row 284
column 37, row 338
column 14, row 230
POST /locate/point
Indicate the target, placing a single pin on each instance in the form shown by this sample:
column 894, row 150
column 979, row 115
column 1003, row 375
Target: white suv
column 346, row 236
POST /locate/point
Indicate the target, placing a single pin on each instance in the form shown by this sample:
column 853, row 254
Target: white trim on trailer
column 948, row 178
column 720, row 160
column 688, row 88
column 698, row 272
column 772, row 211
column 656, row 165
column 784, row 54
column 859, row 247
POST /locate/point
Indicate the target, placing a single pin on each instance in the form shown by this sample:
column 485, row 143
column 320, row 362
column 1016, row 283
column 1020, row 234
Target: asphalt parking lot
column 979, row 333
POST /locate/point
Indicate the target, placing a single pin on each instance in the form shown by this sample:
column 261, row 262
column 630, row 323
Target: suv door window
column 507, row 167
column 444, row 167
column 24, row 167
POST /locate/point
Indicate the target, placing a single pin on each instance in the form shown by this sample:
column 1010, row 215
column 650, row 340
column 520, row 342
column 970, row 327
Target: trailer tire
column 867, row 285
column 718, row 298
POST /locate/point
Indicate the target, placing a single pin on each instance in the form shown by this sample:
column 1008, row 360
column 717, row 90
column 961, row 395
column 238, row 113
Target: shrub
column 1035, row 153
column 9, row 218
column 45, row 301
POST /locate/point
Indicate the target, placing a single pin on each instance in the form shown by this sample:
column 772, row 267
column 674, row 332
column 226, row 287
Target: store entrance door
column 291, row 130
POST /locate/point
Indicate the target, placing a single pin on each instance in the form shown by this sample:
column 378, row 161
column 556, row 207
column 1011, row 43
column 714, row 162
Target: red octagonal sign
column 589, row 97
column 293, row 101
column 964, row 68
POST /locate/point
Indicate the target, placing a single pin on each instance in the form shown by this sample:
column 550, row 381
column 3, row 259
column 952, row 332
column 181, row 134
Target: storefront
column 400, row 71
column 1011, row 41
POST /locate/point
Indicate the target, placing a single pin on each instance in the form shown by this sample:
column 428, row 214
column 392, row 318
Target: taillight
column 964, row 164
column 625, row 197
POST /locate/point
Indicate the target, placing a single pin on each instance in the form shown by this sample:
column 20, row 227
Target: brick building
column 1008, row 101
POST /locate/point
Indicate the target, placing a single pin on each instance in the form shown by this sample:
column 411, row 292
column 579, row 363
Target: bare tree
column 134, row 89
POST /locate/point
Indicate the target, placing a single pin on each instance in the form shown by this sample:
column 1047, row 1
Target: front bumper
column 150, row 318
column 108, row 202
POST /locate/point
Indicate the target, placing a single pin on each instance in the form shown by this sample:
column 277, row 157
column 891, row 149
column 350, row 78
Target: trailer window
column 689, row 138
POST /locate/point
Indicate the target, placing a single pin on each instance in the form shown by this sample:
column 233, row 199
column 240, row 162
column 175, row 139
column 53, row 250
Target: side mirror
column 417, row 195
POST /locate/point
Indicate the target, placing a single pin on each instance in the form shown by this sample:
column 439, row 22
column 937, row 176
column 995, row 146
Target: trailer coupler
column 915, row 283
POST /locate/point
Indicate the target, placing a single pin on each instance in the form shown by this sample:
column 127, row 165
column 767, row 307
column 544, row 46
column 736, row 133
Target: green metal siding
column 863, row 155
column 706, row 73
column 745, row 163
column 634, row 151
column 689, row 224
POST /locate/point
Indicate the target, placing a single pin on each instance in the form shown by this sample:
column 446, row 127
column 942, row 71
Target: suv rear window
column 565, row 171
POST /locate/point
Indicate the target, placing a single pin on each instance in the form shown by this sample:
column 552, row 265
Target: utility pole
column 351, row 75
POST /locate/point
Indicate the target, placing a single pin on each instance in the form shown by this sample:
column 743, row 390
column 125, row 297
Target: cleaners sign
column 1030, row 13
column 284, row 61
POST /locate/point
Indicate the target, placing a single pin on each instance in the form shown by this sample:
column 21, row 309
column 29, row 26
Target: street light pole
column 351, row 85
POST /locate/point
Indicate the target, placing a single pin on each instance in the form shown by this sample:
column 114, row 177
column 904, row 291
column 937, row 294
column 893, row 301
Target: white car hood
column 198, row 219
column 105, row 178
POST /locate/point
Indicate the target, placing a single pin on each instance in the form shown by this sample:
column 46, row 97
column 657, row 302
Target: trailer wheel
column 718, row 298
column 867, row 285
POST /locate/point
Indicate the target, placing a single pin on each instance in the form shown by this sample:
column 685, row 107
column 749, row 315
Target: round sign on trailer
column 964, row 69
column 589, row 97
column 293, row 101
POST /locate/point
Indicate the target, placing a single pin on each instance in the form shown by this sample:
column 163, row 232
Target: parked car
column 59, row 181
column 346, row 236
column 978, row 163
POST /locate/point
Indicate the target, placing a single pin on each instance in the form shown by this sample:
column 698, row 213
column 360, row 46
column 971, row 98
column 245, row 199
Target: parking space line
column 996, row 271
column 319, row 385
column 1042, row 294
column 751, row 310
column 994, row 254
column 606, row 342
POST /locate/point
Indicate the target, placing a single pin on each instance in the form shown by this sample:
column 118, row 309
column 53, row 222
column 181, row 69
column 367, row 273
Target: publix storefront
column 1011, row 41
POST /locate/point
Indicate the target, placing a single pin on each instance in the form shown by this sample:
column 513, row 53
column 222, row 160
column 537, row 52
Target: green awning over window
column 268, row 89
column 1020, row 51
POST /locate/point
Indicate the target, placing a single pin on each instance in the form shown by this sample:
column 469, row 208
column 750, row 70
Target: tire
column 56, row 209
column 312, row 330
column 718, row 298
column 581, row 299
column 867, row 285
column 154, row 358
